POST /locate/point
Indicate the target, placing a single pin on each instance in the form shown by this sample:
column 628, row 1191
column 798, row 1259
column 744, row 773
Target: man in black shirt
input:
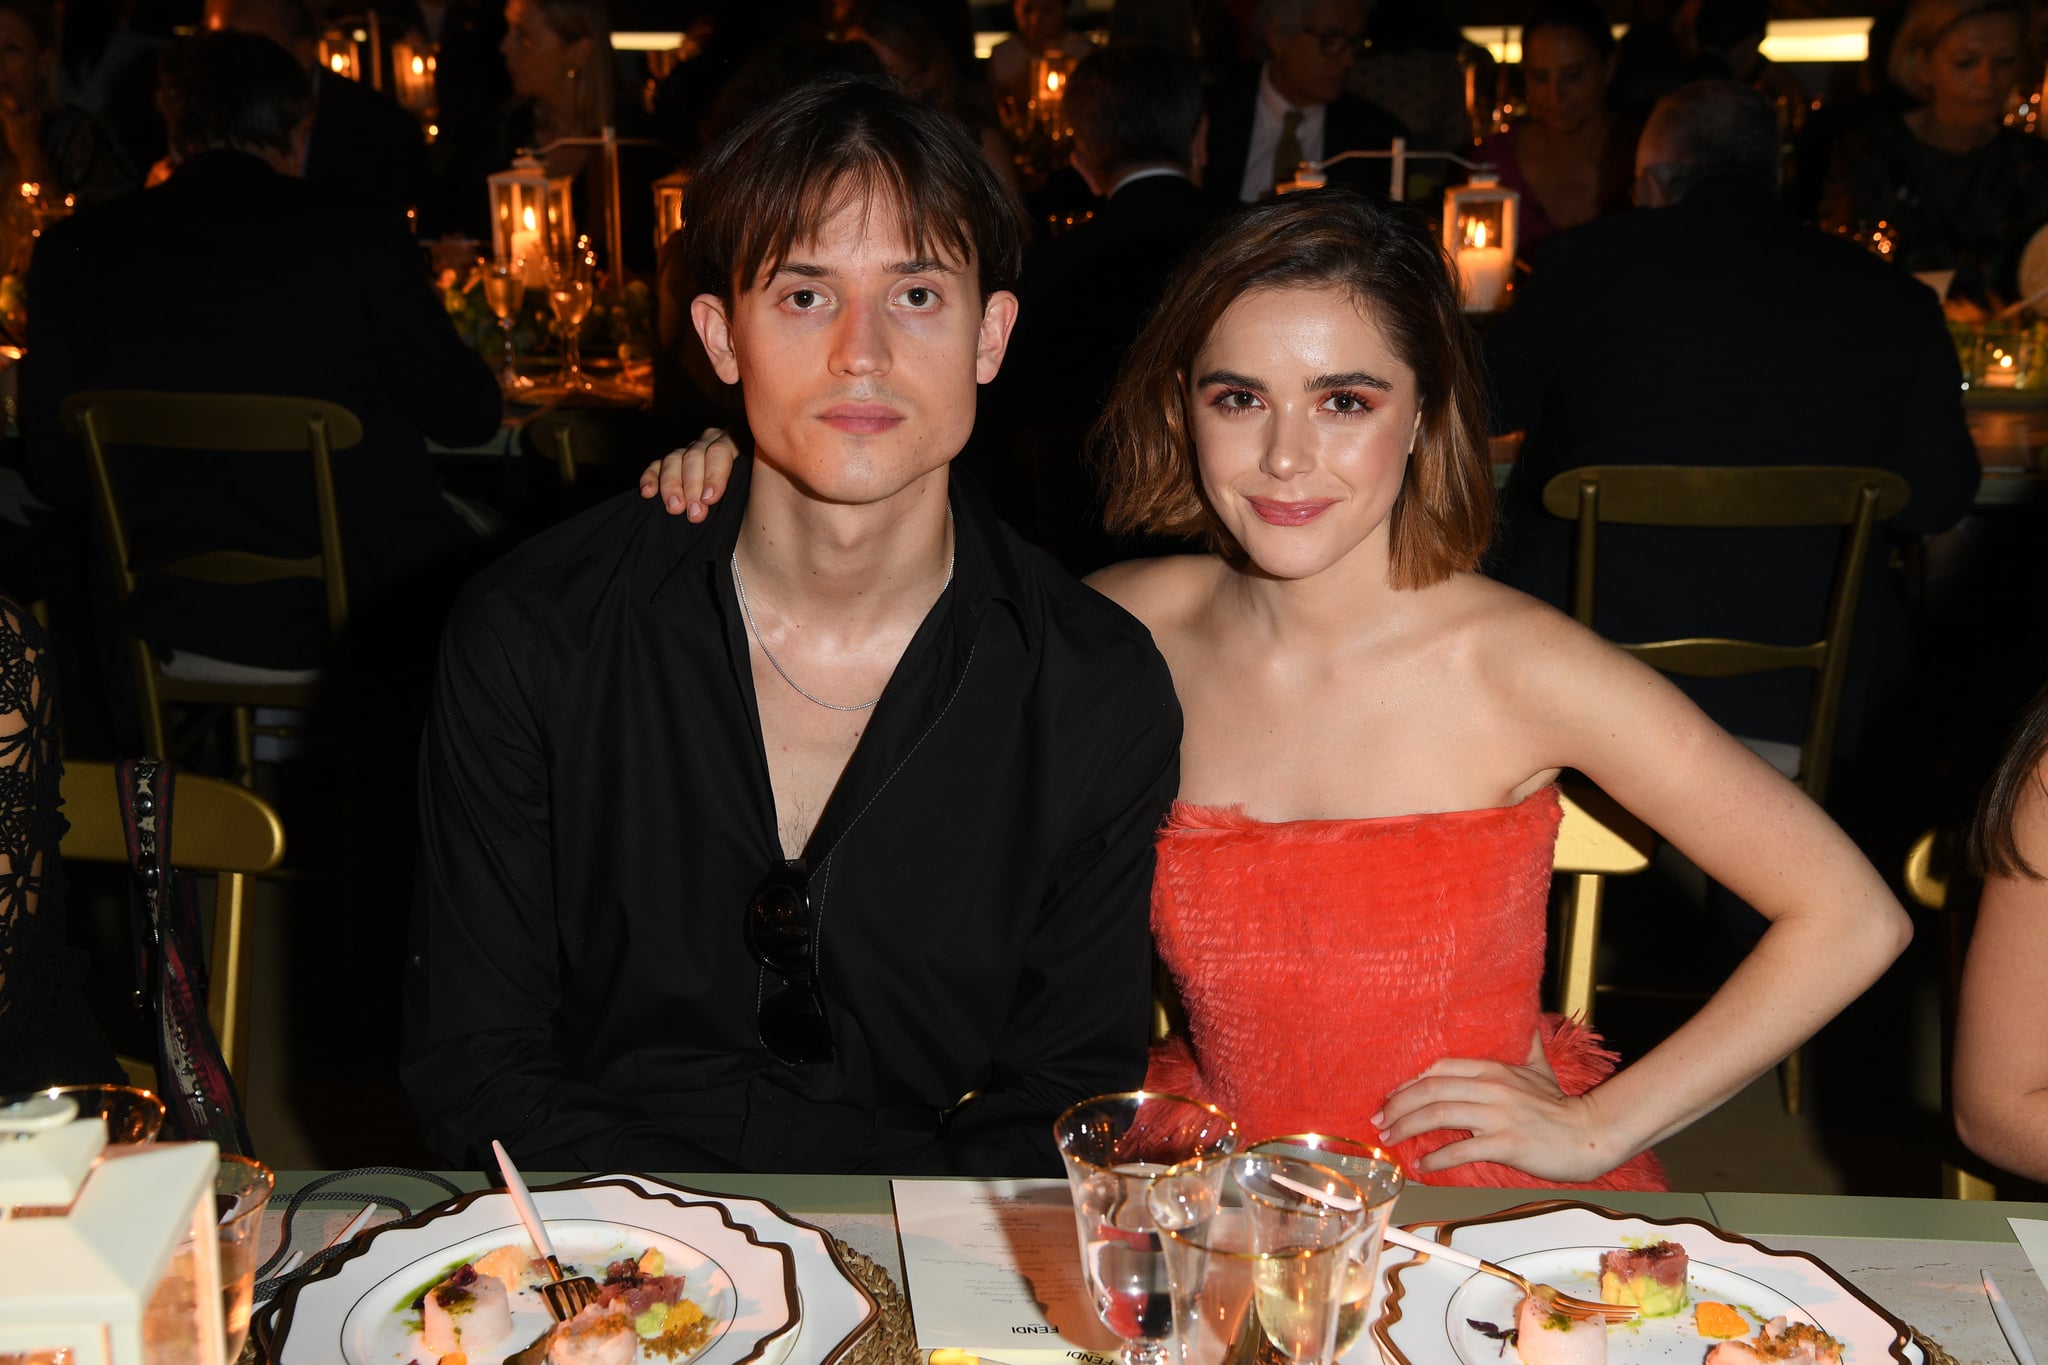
column 816, row 836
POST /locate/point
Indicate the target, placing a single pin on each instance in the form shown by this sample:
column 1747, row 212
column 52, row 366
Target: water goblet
column 1113, row 1147
column 241, row 1187
column 505, row 292
column 1377, row 1175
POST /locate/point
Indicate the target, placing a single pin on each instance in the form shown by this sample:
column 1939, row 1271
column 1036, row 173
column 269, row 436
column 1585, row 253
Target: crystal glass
column 1242, row 1293
column 505, row 292
column 1307, row 1221
column 134, row 1116
column 569, row 292
column 1378, row 1177
column 1114, row 1146
column 241, row 1187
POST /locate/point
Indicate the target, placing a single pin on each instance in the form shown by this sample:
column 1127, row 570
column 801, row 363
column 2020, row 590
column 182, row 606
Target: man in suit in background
column 1138, row 131
column 1295, row 107
column 1713, row 328
column 238, row 276
column 362, row 140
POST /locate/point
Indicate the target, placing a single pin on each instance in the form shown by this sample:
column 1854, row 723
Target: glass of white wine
column 1377, row 1175
column 569, row 292
column 1244, row 1291
column 1114, row 1146
column 505, row 292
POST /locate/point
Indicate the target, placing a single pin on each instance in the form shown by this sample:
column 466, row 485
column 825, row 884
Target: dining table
column 1921, row 1259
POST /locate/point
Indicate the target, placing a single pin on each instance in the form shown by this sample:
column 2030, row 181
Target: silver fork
column 1582, row 1310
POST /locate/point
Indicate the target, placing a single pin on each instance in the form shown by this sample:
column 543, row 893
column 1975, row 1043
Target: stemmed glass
column 1378, row 1177
column 569, row 291
column 1256, row 1252
column 1114, row 1146
column 505, row 292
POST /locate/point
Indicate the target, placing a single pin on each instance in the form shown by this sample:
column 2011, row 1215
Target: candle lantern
column 1049, row 75
column 1479, row 234
column 412, row 73
column 668, row 206
column 110, row 1260
column 340, row 54
column 531, row 220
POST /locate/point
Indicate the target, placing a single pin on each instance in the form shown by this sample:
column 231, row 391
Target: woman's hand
column 1517, row 1116
column 691, row 479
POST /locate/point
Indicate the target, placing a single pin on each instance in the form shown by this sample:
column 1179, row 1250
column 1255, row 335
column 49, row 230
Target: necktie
column 1287, row 156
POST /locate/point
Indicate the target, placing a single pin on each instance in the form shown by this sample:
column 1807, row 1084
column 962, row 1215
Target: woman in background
column 1571, row 157
column 1962, row 191
column 2001, row 1061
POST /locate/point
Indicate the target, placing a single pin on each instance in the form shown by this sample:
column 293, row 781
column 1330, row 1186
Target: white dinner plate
column 357, row 1310
column 1427, row 1313
column 834, row 1311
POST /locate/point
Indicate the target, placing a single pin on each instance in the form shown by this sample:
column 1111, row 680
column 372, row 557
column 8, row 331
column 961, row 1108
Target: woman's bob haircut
column 1388, row 259
column 773, row 182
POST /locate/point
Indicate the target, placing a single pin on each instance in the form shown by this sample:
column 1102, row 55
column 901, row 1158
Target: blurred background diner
column 1734, row 235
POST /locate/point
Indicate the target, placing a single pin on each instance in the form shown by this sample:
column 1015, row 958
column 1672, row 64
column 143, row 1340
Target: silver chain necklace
column 739, row 587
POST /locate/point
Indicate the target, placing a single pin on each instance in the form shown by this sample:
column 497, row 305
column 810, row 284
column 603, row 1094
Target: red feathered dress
column 1324, row 962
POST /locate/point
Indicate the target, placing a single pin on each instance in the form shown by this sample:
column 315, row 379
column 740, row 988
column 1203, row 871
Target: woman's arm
column 1578, row 702
column 2001, row 1062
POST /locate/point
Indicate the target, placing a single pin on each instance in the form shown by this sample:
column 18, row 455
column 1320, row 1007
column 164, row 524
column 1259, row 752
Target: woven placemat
column 1937, row 1354
column 892, row 1340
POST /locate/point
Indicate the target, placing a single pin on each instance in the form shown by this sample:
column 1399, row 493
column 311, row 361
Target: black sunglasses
column 781, row 931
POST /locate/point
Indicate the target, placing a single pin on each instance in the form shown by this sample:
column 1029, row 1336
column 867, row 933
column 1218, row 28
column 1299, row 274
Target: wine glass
column 569, row 292
column 1218, row 1272
column 1377, row 1175
column 505, row 292
column 1306, row 1222
column 1113, row 1147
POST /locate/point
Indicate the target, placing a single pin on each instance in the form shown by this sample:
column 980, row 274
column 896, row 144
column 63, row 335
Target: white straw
column 355, row 1226
column 1333, row 1198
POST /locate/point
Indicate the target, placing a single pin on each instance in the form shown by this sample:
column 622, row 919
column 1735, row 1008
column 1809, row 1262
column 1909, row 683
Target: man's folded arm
column 1080, row 1018
column 481, row 1058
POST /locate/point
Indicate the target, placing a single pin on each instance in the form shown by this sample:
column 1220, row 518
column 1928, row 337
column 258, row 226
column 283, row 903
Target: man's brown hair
column 1388, row 260
column 776, row 178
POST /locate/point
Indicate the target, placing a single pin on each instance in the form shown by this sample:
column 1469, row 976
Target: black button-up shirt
column 596, row 812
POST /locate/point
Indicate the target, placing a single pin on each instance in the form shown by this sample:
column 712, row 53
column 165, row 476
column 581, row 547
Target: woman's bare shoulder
column 1160, row 592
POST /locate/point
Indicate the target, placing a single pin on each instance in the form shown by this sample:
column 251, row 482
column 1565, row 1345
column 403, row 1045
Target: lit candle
column 1482, row 270
column 525, row 246
column 2000, row 374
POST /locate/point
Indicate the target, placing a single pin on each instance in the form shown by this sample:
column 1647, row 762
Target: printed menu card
column 993, row 1269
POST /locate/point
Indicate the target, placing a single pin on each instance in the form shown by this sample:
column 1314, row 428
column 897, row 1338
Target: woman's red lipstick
column 1276, row 513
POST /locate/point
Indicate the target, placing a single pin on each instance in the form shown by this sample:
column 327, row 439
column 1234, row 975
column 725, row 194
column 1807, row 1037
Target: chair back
column 1929, row 865
column 1596, row 839
column 219, row 828
column 1727, row 498
column 247, row 423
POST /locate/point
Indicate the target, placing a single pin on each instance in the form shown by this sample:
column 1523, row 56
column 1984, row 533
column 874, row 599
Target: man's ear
column 714, row 329
column 998, row 316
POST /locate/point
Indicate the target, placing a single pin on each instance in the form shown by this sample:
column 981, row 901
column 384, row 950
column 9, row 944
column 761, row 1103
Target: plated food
column 639, row 1312
column 1706, row 1298
column 680, row 1283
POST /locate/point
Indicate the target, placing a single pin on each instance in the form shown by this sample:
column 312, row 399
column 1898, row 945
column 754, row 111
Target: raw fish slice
column 1543, row 1337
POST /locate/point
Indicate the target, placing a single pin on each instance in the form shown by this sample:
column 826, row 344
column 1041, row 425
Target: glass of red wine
column 1114, row 1147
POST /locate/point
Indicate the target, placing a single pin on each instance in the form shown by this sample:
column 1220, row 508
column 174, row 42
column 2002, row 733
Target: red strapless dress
column 1324, row 962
